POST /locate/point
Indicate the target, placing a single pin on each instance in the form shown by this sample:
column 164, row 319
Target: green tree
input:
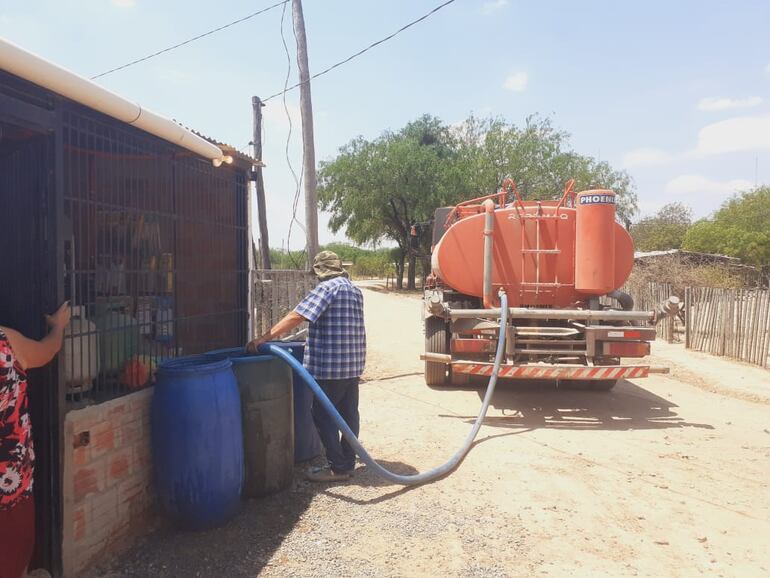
column 740, row 228
column 664, row 230
column 537, row 156
column 379, row 189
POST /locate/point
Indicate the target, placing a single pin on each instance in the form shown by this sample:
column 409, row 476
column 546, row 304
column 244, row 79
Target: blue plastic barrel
column 197, row 441
column 307, row 444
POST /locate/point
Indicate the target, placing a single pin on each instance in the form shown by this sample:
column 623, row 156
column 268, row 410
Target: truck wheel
column 588, row 384
column 436, row 341
column 457, row 378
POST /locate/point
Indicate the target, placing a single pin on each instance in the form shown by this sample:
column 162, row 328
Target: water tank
column 595, row 242
column 535, row 253
column 80, row 352
column 265, row 385
column 268, row 422
column 197, row 441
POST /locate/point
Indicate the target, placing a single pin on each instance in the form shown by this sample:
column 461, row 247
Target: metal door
column 28, row 290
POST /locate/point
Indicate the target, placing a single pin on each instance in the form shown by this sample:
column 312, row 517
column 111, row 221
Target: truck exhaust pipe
column 625, row 300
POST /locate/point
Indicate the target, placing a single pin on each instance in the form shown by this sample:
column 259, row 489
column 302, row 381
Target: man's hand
column 61, row 318
column 284, row 326
column 252, row 345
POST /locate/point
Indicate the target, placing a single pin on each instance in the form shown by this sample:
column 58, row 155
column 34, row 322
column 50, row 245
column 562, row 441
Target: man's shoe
column 328, row 475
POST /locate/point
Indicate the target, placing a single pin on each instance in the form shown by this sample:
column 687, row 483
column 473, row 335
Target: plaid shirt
column 336, row 343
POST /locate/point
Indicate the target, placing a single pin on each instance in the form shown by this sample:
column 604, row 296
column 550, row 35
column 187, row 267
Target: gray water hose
column 414, row 479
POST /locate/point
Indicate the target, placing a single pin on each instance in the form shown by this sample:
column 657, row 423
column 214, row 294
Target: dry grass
column 680, row 275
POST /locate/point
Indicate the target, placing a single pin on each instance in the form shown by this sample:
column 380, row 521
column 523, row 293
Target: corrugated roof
column 230, row 150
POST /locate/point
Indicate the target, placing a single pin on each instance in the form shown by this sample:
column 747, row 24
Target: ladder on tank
column 537, row 285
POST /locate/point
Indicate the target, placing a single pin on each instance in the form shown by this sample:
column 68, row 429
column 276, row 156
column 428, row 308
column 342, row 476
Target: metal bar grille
column 28, row 290
column 154, row 255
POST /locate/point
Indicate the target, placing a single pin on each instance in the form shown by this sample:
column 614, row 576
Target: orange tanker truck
column 561, row 264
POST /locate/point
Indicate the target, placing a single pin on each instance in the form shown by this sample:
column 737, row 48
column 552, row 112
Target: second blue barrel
column 307, row 444
column 197, row 440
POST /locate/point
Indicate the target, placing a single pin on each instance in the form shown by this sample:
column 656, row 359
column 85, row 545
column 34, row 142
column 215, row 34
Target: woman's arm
column 31, row 353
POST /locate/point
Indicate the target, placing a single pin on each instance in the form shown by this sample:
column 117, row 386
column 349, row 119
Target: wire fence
column 733, row 323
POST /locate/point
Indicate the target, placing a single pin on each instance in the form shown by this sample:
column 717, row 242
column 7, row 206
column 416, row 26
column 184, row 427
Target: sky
column 676, row 93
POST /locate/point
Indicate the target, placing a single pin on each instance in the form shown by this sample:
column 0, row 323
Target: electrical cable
column 297, row 180
column 363, row 50
column 189, row 40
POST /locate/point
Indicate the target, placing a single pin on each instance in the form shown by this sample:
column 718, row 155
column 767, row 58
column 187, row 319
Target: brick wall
column 108, row 498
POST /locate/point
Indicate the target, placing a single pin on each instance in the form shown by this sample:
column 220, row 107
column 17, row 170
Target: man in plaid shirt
column 335, row 354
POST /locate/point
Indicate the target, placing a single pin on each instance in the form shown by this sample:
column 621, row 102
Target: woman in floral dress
column 17, row 455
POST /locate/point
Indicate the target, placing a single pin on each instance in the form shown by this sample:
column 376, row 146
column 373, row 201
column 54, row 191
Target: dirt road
column 667, row 476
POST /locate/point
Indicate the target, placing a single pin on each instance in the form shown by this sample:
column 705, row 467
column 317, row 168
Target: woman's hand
column 61, row 318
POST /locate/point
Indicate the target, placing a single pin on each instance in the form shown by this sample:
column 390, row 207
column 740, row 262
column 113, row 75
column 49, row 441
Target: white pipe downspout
column 40, row 71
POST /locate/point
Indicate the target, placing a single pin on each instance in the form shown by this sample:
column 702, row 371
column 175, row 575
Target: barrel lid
column 194, row 364
column 251, row 358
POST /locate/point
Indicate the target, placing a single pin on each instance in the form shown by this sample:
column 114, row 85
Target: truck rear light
column 626, row 348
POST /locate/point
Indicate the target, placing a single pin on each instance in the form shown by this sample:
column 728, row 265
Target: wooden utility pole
column 306, row 108
column 264, row 243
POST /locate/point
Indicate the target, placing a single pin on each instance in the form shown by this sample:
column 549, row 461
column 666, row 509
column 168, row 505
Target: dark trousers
column 343, row 393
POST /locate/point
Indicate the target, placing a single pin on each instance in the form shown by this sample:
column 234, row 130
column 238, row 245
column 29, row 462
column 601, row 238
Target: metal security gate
column 154, row 255
column 28, row 289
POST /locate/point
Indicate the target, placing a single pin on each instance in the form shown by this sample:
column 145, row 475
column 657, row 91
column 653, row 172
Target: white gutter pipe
column 40, row 71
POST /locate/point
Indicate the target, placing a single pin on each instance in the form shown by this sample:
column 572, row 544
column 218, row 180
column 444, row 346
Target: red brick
column 131, row 433
column 131, row 488
column 117, row 413
column 79, row 523
column 81, row 456
column 119, row 466
column 140, row 401
column 87, row 481
column 102, row 439
column 104, row 512
column 142, row 457
column 84, row 419
column 133, row 508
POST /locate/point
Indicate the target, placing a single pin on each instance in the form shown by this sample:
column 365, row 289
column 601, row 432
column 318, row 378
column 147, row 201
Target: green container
column 267, row 406
column 118, row 339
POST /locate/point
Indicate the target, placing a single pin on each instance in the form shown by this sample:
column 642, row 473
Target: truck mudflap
column 562, row 372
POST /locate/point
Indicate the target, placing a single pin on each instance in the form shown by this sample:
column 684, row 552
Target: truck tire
column 436, row 341
column 459, row 379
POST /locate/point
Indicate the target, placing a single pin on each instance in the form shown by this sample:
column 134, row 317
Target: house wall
column 108, row 490
column 150, row 242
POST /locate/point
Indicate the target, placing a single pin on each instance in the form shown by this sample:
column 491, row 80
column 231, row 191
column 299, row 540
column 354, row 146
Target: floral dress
column 17, row 456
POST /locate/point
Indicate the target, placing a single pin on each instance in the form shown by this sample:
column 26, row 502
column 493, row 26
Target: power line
column 297, row 180
column 362, row 51
column 189, row 40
